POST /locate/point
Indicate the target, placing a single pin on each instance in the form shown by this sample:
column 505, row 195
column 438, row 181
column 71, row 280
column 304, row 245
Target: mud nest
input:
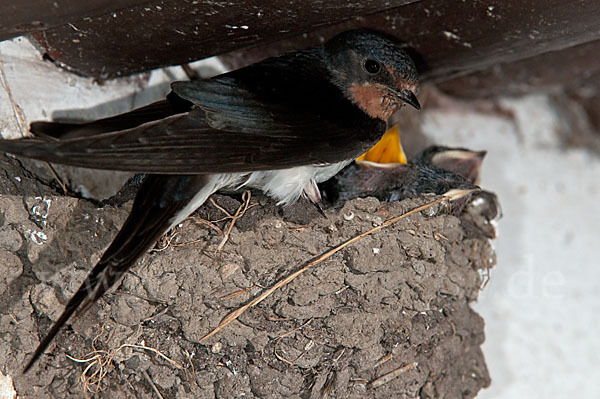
column 386, row 317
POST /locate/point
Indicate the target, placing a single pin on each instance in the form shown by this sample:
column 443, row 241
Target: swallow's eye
column 373, row 67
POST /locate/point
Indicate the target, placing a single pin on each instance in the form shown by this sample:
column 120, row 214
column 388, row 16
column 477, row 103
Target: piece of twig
column 159, row 353
column 154, row 388
column 383, row 360
column 99, row 360
column 238, row 312
column 294, row 330
column 18, row 114
column 210, row 224
column 162, row 312
column 283, row 359
column 57, row 177
column 166, row 239
column 236, row 293
column 189, row 358
column 328, row 384
column 238, row 214
column 384, row 379
column 219, row 207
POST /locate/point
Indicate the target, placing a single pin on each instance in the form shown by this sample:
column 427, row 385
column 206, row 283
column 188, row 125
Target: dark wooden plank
column 454, row 38
column 24, row 16
column 170, row 32
column 571, row 68
column 457, row 37
column 451, row 38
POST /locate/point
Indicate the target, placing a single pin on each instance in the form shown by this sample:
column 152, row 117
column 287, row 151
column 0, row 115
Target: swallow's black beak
column 409, row 97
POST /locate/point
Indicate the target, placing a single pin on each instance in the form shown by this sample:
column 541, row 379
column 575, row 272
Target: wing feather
column 227, row 129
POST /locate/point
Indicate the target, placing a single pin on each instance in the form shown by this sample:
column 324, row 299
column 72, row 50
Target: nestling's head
column 374, row 71
column 462, row 161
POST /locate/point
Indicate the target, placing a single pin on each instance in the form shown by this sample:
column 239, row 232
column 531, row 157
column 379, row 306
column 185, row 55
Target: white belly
column 284, row 185
column 287, row 185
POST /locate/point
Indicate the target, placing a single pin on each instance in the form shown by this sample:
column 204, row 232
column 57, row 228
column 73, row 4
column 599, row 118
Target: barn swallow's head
column 375, row 72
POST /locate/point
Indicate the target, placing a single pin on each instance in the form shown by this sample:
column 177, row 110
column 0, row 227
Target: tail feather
column 159, row 204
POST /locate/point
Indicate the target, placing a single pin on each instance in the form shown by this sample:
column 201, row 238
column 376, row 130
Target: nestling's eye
column 373, row 67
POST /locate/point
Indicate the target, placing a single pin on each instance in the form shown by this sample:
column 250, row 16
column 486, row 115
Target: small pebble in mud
column 217, row 347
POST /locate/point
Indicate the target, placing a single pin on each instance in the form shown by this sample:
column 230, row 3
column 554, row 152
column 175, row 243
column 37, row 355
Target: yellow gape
column 387, row 150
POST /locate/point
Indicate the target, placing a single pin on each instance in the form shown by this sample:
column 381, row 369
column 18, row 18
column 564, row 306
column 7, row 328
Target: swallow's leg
column 312, row 192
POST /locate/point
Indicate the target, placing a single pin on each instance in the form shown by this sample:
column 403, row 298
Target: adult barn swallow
column 282, row 125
